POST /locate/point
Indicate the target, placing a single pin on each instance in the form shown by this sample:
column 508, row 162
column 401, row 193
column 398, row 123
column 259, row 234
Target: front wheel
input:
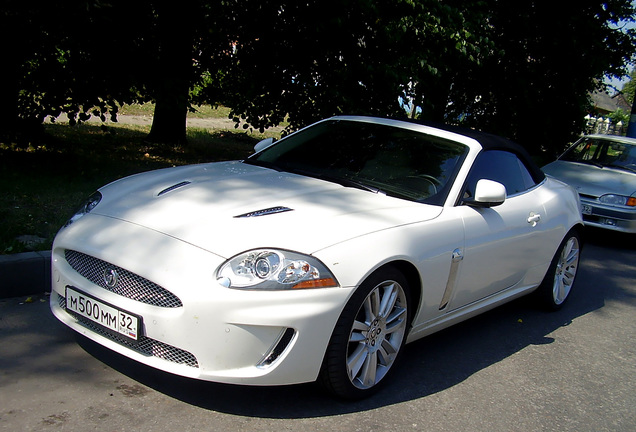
column 369, row 336
column 558, row 282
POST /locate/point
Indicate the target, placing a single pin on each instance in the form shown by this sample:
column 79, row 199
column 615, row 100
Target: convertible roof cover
column 491, row 142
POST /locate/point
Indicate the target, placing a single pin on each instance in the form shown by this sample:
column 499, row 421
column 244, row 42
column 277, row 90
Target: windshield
column 378, row 158
column 603, row 153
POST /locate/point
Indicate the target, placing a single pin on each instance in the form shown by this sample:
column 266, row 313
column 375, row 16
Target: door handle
column 534, row 218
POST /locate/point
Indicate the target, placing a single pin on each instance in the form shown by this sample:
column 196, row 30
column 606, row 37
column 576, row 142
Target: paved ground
column 512, row 369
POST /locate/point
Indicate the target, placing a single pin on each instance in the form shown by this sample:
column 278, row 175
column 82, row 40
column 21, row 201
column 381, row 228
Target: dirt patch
column 143, row 120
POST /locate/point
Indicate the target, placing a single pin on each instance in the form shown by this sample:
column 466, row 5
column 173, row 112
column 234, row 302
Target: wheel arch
column 412, row 275
column 334, row 376
column 580, row 229
column 555, row 288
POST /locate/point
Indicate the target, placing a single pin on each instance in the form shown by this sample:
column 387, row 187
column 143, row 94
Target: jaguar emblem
column 111, row 277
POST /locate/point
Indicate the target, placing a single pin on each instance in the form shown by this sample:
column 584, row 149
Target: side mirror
column 488, row 193
column 263, row 144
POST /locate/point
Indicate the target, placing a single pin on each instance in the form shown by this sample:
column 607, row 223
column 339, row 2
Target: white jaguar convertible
column 318, row 257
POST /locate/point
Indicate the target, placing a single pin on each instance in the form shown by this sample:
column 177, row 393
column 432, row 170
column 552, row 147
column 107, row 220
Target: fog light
column 611, row 222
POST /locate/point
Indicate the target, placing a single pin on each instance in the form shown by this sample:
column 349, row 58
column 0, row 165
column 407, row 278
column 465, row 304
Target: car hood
column 229, row 207
column 592, row 180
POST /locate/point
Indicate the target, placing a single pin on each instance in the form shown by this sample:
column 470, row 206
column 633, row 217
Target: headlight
column 85, row 208
column 613, row 199
column 270, row 269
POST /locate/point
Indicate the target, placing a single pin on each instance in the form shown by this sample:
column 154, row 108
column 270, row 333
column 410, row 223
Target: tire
column 559, row 280
column 369, row 336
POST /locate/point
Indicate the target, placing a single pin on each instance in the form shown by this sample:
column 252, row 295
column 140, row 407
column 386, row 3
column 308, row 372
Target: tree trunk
column 631, row 126
column 9, row 106
column 169, row 120
column 432, row 98
column 10, row 85
column 172, row 83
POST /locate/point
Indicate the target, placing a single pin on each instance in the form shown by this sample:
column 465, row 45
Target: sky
column 618, row 83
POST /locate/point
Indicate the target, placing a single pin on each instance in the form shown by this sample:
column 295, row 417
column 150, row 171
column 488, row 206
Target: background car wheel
column 557, row 284
column 369, row 336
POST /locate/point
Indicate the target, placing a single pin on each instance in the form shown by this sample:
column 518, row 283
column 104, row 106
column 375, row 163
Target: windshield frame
column 602, row 152
column 376, row 157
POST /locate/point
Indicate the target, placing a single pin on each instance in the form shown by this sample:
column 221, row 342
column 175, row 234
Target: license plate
column 586, row 209
column 105, row 315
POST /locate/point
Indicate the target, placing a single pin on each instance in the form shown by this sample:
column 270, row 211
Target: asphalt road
column 513, row 369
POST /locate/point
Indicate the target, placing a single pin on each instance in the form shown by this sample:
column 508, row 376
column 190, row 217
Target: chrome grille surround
column 128, row 284
column 144, row 345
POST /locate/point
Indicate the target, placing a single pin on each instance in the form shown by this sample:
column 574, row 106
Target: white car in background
column 316, row 258
column 602, row 168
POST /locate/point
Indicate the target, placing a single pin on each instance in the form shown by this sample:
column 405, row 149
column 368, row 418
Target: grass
column 200, row 111
column 43, row 184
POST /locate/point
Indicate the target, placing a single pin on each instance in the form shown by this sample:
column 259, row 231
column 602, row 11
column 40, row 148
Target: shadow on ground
column 430, row 365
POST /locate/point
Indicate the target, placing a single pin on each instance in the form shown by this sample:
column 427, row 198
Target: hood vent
column 173, row 187
column 265, row 212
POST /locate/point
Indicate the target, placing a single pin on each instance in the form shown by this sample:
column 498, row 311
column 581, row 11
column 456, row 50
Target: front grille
column 128, row 284
column 145, row 345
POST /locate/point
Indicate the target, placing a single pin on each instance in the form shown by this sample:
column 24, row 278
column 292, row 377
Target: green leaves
column 487, row 64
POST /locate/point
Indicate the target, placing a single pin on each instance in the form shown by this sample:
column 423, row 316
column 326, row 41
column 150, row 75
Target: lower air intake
column 145, row 345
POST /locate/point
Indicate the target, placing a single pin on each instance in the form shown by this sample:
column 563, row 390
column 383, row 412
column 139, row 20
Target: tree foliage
column 500, row 66
column 496, row 65
column 351, row 57
column 73, row 57
column 629, row 88
column 548, row 63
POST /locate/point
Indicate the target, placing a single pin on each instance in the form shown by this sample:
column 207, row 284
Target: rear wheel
column 369, row 336
column 558, row 282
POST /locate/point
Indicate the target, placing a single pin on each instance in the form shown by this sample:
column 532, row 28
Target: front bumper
column 608, row 217
column 215, row 334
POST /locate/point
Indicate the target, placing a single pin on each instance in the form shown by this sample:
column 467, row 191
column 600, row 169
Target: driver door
column 501, row 242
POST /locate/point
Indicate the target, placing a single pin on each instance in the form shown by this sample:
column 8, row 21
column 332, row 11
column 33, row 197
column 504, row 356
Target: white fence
column 601, row 125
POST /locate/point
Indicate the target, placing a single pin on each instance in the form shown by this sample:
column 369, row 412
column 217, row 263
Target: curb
column 25, row 274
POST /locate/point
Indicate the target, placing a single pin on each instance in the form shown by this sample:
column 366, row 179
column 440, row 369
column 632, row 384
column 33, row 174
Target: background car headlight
column 270, row 269
column 85, row 208
column 613, row 199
